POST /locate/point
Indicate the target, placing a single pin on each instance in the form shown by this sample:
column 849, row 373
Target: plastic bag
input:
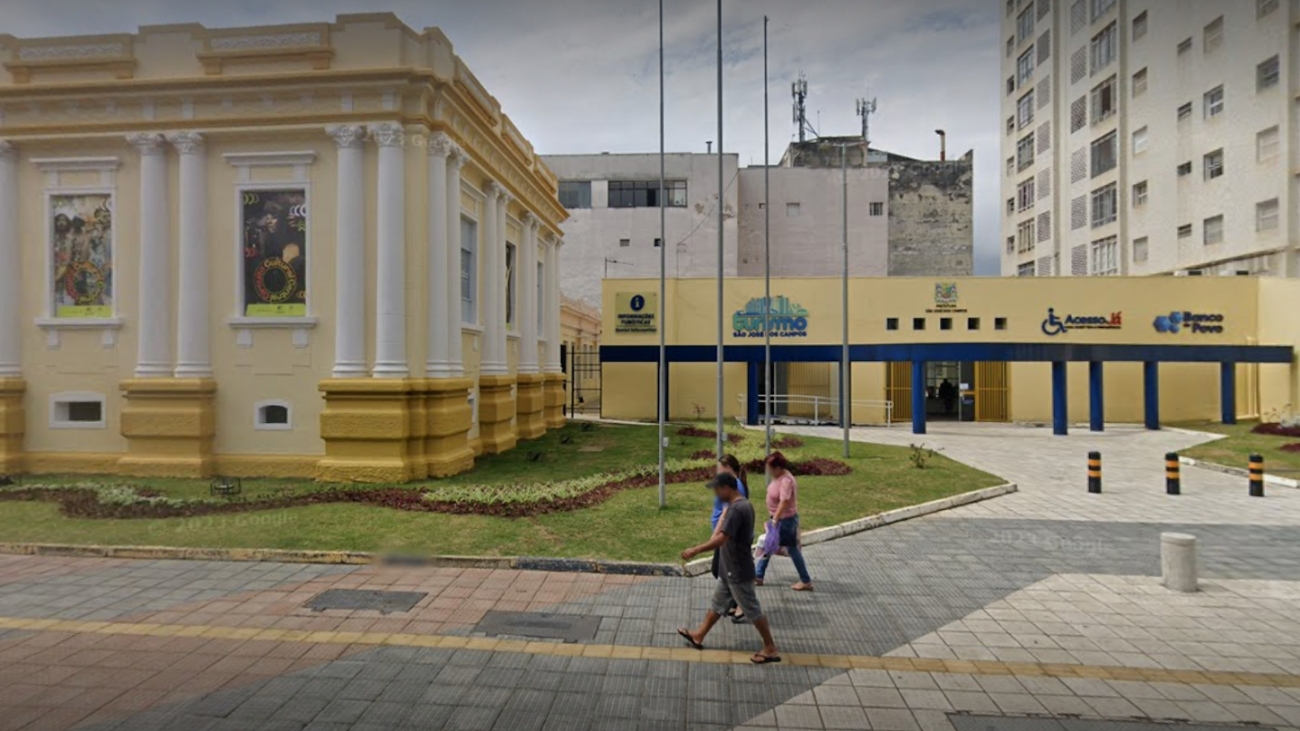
column 768, row 543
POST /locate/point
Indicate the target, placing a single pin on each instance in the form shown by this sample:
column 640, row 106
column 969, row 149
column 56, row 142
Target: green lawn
column 1235, row 450
column 629, row 526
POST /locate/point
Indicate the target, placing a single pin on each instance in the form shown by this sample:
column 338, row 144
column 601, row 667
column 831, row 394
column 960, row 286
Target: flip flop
column 686, row 635
column 761, row 659
column 739, row 619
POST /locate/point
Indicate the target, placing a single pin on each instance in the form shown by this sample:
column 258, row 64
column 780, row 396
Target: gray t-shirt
column 735, row 556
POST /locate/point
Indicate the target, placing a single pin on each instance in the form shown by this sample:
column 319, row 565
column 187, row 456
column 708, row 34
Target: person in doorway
column 948, row 395
column 783, row 509
column 728, row 465
column 732, row 543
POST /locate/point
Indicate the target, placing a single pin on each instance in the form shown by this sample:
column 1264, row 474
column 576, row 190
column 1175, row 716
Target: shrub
column 692, row 431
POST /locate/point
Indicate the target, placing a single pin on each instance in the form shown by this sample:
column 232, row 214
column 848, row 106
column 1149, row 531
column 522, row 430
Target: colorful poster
column 275, row 253
column 81, row 234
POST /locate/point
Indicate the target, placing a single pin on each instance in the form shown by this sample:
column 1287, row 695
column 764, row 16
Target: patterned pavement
column 1040, row 604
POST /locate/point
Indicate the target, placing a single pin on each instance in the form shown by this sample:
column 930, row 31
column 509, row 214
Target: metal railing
column 823, row 409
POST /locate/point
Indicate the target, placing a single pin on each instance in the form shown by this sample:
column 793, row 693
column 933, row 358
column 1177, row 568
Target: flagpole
column 721, row 206
column 767, row 264
column 663, row 261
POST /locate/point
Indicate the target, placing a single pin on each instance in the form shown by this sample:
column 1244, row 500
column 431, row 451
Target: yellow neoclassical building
column 315, row 250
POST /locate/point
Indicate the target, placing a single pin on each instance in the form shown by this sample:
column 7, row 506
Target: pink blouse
column 783, row 488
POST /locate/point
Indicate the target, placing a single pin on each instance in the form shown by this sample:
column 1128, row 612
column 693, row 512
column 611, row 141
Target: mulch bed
column 84, row 503
column 1275, row 429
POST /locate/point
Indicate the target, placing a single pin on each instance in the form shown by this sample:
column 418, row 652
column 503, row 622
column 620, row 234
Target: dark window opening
column 275, row 414
column 918, row 323
column 891, row 323
column 999, row 323
column 972, row 323
column 645, row 193
column 945, row 323
column 85, row 411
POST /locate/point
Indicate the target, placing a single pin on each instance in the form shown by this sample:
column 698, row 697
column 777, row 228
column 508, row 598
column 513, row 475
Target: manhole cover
column 566, row 627
column 384, row 602
column 964, row 722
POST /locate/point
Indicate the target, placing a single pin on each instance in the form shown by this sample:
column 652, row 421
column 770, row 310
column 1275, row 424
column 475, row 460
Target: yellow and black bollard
column 1256, row 475
column 1094, row 472
column 1173, row 475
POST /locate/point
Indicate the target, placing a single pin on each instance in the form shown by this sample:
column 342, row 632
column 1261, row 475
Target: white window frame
column 1025, row 30
column 469, row 296
column 1263, row 217
column 54, row 169
column 1213, row 36
column 1212, row 227
column 1025, row 67
column 1214, row 102
column 1098, row 145
column 1098, row 93
column 1103, row 257
column 1212, row 165
column 57, row 421
column 791, row 210
column 1265, row 149
column 1141, row 249
column 1024, row 160
column 1100, row 8
column 1099, row 216
column 1025, row 194
column 1103, row 49
column 1265, row 82
column 1139, row 82
column 259, row 416
column 1140, row 23
column 1025, row 110
column 1141, row 194
column 1026, row 235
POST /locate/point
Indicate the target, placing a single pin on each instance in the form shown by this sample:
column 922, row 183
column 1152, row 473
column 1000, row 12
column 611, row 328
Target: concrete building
column 906, row 217
column 613, row 227
column 318, row 250
column 1146, row 138
column 1118, row 350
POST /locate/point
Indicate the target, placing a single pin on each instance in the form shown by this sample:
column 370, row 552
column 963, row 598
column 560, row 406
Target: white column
column 553, row 307
column 153, row 356
column 11, row 346
column 349, row 253
column 455, row 355
column 526, row 301
column 493, row 287
column 442, row 321
column 193, row 350
column 390, row 295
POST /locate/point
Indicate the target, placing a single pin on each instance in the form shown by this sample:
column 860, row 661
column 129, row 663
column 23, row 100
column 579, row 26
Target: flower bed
column 1277, row 429
column 1291, row 447
column 698, row 433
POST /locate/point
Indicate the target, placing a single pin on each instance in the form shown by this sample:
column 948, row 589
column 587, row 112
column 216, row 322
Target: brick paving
column 1041, row 604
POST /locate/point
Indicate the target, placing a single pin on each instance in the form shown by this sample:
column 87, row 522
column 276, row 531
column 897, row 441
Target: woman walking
column 783, row 509
column 728, row 465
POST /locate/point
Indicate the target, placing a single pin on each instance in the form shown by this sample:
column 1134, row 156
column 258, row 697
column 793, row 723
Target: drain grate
column 964, row 722
column 385, row 602
column 565, row 627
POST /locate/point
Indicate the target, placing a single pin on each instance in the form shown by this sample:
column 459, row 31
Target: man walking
column 732, row 541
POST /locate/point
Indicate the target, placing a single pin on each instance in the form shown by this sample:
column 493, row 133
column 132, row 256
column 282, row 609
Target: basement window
column 272, row 416
column 77, row 411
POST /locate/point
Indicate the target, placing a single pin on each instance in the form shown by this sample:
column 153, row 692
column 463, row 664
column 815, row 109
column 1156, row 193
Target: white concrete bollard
column 1178, row 561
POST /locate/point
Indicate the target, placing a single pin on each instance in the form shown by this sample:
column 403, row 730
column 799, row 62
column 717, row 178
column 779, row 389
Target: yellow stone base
column 496, row 409
column 169, row 424
column 530, row 405
column 367, row 427
column 13, row 425
column 554, row 400
column 448, row 414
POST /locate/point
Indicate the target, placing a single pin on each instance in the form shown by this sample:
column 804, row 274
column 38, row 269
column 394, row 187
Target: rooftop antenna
column 799, row 90
column 865, row 110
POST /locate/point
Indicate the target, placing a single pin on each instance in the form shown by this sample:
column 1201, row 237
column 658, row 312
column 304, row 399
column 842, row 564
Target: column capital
column 494, row 190
column 148, row 143
column 458, row 158
column 347, row 136
column 188, row 143
column 440, row 145
column 531, row 221
column 389, row 134
column 7, row 150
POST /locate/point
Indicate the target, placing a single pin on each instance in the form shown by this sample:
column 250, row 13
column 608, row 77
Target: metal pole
column 767, row 265
column 845, row 416
column 663, row 263
column 721, row 202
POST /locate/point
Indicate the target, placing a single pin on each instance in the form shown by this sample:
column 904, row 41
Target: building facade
column 1146, row 138
column 1024, row 350
column 318, row 250
column 905, row 216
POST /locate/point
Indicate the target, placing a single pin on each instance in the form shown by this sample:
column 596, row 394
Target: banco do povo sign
column 784, row 318
column 1204, row 323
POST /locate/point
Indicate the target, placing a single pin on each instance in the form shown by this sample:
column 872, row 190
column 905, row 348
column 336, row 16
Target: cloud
column 582, row 75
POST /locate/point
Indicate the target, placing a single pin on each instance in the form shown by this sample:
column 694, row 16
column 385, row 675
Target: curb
column 518, row 563
column 1238, row 472
column 822, row 535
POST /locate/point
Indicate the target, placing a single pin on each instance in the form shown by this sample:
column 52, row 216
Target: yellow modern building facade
column 317, row 250
column 1059, row 351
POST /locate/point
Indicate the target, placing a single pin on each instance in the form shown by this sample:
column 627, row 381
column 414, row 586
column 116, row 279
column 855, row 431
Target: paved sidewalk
column 1041, row 603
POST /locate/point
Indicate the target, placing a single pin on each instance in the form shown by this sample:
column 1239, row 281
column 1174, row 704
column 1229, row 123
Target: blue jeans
column 788, row 531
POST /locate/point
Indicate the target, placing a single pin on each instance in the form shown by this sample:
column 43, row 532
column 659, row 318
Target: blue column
column 1151, row 393
column 1228, row 392
column 751, row 398
column 1096, row 397
column 918, row 397
column 1060, row 399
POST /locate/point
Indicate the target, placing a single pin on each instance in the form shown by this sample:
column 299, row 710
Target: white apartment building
column 1147, row 137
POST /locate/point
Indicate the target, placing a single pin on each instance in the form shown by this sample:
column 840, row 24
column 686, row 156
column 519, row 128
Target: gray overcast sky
column 582, row 75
